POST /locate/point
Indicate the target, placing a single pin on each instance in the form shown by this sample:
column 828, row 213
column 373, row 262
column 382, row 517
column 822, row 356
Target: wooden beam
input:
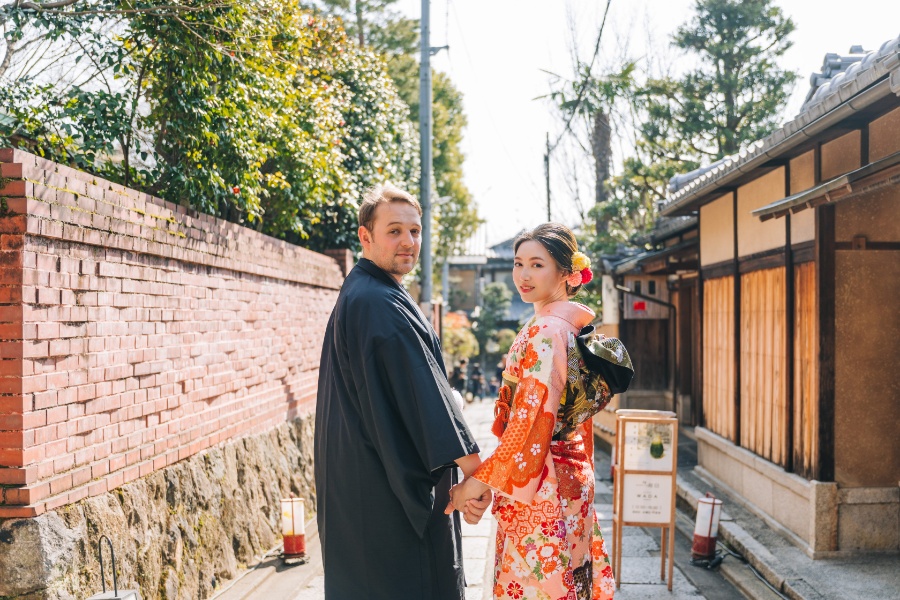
column 698, row 343
column 737, row 326
column 769, row 259
column 868, row 246
column 864, row 145
column 825, row 282
column 789, row 333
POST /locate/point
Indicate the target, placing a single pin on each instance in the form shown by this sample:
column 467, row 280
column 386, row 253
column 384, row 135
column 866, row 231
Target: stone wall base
column 178, row 533
column 822, row 518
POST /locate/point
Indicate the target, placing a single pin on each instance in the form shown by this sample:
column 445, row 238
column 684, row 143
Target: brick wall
column 135, row 333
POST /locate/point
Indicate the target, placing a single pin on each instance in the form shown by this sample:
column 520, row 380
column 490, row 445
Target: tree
column 458, row 340
column 261, row 113
column 495, row 302
column 737, row 92
column 376, row 24
column 587, row 105
column 733, row 96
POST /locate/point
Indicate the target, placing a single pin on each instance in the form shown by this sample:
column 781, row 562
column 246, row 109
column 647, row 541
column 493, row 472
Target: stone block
column 792, row 511
column 757, row 489
column 869, row 527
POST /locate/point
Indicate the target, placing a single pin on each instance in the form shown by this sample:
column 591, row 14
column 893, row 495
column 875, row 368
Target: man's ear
column 365, row 237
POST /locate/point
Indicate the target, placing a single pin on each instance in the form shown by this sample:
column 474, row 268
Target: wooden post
column 789, row 331
column 737, row 326
column 825, row 282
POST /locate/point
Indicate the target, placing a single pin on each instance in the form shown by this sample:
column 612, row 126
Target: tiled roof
column 666, row 227
column 880, row 67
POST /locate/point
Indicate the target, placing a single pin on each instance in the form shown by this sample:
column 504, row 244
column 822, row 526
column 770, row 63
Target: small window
column 651, row 288
column 637, row 287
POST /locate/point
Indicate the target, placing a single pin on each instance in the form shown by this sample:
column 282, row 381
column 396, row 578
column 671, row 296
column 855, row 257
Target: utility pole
column 547, row 174
column 425, row 153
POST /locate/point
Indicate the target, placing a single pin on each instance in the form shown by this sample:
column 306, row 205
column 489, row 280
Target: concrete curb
column 778, row 575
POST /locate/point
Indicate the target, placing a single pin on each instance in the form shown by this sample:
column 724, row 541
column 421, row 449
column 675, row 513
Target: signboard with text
column 644, row 464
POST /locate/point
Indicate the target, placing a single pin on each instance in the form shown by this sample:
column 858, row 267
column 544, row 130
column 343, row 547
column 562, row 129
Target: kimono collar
column 577, row 314
column 377, row 272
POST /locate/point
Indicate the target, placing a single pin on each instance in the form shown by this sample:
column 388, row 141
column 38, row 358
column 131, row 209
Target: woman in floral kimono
column 549, row 544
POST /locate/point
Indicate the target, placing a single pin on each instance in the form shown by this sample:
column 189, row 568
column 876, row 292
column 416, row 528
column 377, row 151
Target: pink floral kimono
column 549, row 545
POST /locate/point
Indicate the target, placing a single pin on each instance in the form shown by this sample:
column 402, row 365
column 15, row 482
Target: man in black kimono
column 388, row 431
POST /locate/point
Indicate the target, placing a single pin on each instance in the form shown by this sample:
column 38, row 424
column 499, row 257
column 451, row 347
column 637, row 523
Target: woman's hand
column 469, row 489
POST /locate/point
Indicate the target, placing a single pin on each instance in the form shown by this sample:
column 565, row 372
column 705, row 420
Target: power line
column 586, row 81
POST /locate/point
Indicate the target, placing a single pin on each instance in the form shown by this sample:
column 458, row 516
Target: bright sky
column 500, row 51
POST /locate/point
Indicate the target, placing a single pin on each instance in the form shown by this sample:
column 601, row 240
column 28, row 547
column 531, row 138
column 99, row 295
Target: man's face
column 395, row 239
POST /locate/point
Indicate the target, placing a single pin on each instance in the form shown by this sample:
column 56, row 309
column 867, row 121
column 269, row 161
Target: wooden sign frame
column 642, row 484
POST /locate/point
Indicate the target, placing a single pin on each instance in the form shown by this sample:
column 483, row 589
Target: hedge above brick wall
column 135, row 333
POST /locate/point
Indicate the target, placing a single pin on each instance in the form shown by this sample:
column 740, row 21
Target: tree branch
column 164, row 10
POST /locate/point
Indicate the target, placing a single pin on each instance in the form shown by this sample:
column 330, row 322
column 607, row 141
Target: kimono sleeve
column 416, row 427
column 517, row 466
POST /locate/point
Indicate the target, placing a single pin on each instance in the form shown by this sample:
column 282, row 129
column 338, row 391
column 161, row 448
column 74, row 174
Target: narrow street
column 271, row 580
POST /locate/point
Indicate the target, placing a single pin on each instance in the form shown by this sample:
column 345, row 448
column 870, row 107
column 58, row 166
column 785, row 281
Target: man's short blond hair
column 380, row 194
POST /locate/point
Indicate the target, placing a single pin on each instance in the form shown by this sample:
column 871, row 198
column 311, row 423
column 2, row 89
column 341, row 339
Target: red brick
column 97, row 488
column 18, row 403
column 81, row 476
column 56, row 501
column 79, row 493
column 17, row 188
column 18, row 476
column 28, row 495
column 60, row 484
column 20, row 512
column 48, row 399
column 12, row 457
column 10, row 367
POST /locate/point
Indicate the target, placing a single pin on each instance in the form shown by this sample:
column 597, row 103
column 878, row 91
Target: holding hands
column 471, row 498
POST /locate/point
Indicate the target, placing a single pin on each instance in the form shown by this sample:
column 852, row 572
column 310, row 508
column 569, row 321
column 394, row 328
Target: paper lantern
column 293, row 527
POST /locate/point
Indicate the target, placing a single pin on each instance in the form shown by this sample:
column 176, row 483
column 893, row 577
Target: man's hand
column 471, row 498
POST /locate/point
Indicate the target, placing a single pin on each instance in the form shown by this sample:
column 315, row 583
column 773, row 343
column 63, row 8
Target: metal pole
column 425, row 153
column 547, row 174
column 445, row 281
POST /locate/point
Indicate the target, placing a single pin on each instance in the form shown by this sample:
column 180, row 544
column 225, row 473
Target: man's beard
column 397, row 268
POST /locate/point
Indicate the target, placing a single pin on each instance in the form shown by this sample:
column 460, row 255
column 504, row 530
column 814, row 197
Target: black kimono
column 387, row 433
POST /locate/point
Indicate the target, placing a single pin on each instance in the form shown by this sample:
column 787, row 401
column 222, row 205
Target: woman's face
column 536, row 275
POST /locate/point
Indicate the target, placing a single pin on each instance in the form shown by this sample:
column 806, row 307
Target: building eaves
column 665, row 228
column 882, row 173
column 633, row 262
column 863, row 83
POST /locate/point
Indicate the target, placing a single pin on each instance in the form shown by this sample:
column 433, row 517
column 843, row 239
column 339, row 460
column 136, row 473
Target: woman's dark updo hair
column 559, row 241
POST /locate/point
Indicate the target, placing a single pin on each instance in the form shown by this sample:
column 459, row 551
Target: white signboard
column 648, row 498
column 648, row 447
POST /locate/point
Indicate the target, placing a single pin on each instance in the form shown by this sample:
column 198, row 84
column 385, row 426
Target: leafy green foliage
column 259, row 112
column 396, row 40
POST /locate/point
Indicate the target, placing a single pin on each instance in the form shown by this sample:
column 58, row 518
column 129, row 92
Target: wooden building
column 664, row 285
column 798, row 326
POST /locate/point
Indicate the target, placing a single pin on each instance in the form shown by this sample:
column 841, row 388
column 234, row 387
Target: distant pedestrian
column 476, row 382
column 459, row 376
